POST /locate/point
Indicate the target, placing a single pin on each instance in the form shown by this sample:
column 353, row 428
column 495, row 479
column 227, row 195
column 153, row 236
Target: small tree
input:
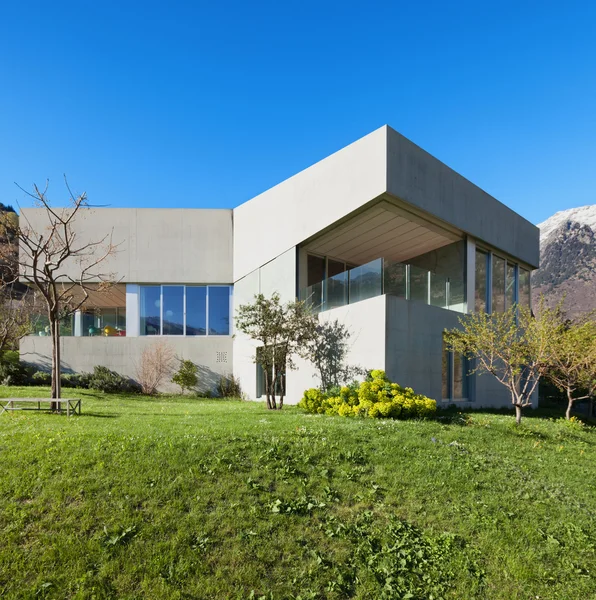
column 155, row 366
column 328, row 352
column 16, row 318
column 186, row 376
column 514, row 346
column 573, row 369
column 284, row 331
column 60, row 268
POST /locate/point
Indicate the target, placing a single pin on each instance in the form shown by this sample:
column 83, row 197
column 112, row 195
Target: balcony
column 383, row 276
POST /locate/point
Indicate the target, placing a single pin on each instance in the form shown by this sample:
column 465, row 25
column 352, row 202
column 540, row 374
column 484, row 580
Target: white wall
column 366, row 323
column 278, row 275
column 301, row 206
column 212, row 354
column 164, row 245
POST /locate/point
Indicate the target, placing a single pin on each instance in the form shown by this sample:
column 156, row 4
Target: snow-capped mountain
column 568, row 260
column 585, row 215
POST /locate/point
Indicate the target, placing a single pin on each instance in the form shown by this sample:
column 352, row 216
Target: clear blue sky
column 196, row 104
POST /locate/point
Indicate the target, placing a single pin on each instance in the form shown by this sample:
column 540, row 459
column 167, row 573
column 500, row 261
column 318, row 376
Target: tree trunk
column 55, row 333
column 518, row 414
column 266, row 375
column 569, row 404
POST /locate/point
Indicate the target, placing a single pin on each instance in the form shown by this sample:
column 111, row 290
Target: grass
column 187, row 498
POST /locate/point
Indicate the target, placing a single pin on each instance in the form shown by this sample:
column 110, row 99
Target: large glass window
column 150, row 310
column 104, row 321
column 219, row 310
column 173, row 310
column 510, row 286
column 498, row 280
column 456, row 375
column 481, row 280
column 316, row 269
column 524, row 288
column 186, row 310
column 196, row 310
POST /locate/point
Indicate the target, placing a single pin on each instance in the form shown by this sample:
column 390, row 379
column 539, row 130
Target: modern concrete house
column 380, row 235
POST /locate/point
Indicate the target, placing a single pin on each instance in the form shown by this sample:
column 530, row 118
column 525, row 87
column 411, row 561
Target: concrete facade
column 381, row 197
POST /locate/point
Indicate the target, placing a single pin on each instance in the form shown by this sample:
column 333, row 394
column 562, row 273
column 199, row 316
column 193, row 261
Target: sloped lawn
column 189, row 498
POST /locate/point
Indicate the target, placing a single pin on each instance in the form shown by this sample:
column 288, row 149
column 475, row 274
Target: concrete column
column 78, row 323
column 470, row 274
column 132, row 310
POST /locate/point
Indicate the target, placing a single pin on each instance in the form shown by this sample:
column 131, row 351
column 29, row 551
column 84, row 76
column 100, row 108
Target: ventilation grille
column 221, row 357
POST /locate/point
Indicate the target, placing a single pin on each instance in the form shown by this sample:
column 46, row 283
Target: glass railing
column 382, row 276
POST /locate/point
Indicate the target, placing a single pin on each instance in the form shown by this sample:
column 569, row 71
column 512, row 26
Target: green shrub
column 76, row 380
column 186, row 376
column 110, row 382
column 377, row 397
column 41, row 378
column 229, row 387
column 12, row 370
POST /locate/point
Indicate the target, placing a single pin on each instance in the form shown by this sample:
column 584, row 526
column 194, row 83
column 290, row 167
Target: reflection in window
column 173, row 310
column 41, row 325
column 481, row 280
column 524, row 288
column 510, row 286
column 187, row 310
column 196, row 310
column 456, row 375
column 219, row 310
column 150, row 310
column 498, row 292
column 418, row 284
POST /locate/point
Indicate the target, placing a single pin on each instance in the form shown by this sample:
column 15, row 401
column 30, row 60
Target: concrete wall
column 418, row 178
column 301, row 206
column 166, row 245
column 278, row 275
column 381, row 163
column 414, row 343
column 366, row 323
column 213, row 355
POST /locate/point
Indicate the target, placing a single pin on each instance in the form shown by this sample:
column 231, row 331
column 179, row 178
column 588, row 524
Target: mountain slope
column 568, row 260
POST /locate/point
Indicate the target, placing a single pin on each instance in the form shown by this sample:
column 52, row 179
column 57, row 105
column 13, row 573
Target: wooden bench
column 73, row 405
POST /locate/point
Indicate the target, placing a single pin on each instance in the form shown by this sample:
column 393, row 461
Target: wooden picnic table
column 73, row 405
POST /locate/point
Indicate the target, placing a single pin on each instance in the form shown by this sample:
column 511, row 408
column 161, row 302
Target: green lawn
column 188, row 498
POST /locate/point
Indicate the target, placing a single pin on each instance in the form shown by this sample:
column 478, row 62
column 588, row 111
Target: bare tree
column 156, row 364
column 60, row 268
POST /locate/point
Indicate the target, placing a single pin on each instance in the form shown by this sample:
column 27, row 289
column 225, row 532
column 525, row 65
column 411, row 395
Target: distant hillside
column 568, row 260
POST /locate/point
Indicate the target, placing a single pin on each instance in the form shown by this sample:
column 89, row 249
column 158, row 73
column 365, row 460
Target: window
column 456, row 376
column 498, row 281
column 280, row 384
column 173, row 310
column 185, row 310
column 510, row 293
column 481, row 280
column 219, row 310
column 104, row 321
column 150, row 310
column 196, row 310
column 525, row 298
column 316, row 269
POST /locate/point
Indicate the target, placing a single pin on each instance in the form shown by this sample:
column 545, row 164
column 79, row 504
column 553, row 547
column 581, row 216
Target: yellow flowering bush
column 377, row 397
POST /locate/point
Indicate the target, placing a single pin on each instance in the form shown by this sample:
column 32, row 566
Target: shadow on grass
column 95, row 415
